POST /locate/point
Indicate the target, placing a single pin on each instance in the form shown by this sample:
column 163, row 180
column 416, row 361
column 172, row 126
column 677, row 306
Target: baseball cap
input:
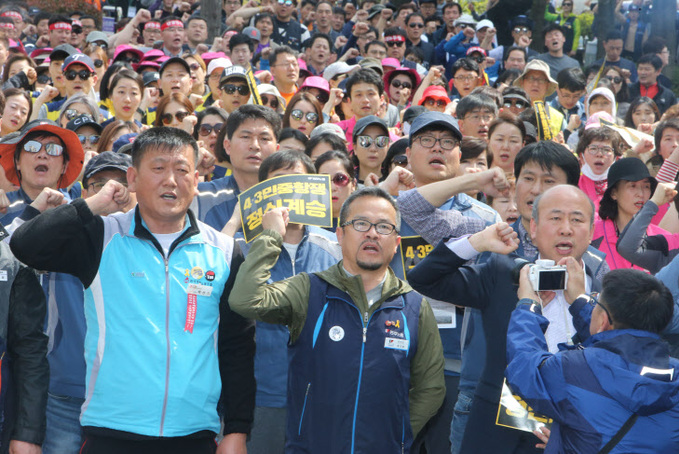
column 83, row 120
column 328, row 128
column 80, row 59
column 106, row 160
column 127, row 48
column 233, row 72
column 370, row 120
column 150, row 77
column 375, row 10
column 412, row 113
column 465, row 19
column 485, row 23
column 337, row 68
column 41, row 51
column 169, row 61
column 436, row 93
column 218, row 63
column 124, row 141
column 478, row 49
column 252, row 33
column 62, row 51
column 428, row 119
column 94, row 36
column 372, row 63
column 73, row 149
column 153, row 55
column 316, row 82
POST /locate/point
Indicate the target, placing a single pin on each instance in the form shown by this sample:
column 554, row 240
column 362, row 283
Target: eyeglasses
column 285, row 2
column 521, row 29
column 463, row 26
column 52, row 149
column 100, row 44
column 311, row 117
column 435, row 102
column 82, row 74
column 166, row 118
column 93, row 140
column 399, row 84
column 98, row 63
column 205, row 129
column 416, row 25
column 129, row 59
column 271, row 102
column 70, row 114
column 476, row 117
column 593, row 301
column 400, row 160
column 361, row 225
column 566, row 4
column 478, row 58
column 465, row 78
column 515, row 103
column 614, row 79
column 367, row 141
column 294, row 64
column 537, row 80
column 395, row 44
column 595, row 150
column 447, row 143
column 194, row 67
column 230, row 89
column 340, row 179
column 98, row 185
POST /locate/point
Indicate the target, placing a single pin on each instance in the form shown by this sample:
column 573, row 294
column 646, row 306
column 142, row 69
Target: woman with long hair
column 342, row 179
column 303, row 113
column 175, row 111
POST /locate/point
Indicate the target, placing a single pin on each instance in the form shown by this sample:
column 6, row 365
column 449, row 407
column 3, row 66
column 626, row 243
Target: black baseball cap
column 62, row 52
column 370, row 120
column 429, row 119
column 107, row 160
column 179, row 60
column 83, row 120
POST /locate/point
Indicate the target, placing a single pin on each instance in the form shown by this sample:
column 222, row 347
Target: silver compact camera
column 545, row 275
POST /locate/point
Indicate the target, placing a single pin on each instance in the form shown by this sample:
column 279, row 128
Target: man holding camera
column 561, row 228
column 639, row 409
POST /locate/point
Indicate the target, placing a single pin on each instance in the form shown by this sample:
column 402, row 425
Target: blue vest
column 349, row 392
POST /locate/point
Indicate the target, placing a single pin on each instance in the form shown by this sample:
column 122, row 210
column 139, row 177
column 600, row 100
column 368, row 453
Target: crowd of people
column 136, row 318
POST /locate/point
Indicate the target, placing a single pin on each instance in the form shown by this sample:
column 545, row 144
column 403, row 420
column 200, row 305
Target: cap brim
column 74, row 150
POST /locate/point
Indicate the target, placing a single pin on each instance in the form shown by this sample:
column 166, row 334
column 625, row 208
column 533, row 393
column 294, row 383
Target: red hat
column 436, row 93
column 410, row 72
column 473, row 49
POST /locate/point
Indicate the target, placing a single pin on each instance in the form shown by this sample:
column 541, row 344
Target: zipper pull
column 167, row 266
column 365, row 317
column 365, row 331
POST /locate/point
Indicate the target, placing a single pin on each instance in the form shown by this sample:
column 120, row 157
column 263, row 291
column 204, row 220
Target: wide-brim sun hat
column 540, row 66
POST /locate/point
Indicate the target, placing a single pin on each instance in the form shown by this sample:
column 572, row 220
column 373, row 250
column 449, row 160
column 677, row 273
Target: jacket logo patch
column 196, row 272
column 140, row 274
column 3, row 275
column 210, row 275
column 336, row 333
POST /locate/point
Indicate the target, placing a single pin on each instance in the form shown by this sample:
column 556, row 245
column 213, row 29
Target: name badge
column 396, row 344
column 199, row 289
column 3, row 275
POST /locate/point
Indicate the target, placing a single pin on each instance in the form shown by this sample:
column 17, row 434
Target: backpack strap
column 619, row 435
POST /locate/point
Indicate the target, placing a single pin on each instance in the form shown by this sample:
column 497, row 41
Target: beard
column 368, row 266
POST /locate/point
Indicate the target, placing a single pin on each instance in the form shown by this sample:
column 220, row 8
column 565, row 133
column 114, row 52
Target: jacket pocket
column 301, row 416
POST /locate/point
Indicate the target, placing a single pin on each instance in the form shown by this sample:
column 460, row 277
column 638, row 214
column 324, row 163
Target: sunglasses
column 521, row 30
column 285, row 2
column 615, row 80
column 311, row 117
column 400, row 160
column 70, row 114
column 399, row 84
column 478, row 59
column 91, row 139
column 271, row 102
column 340, row 179
column 395, row 44
column 206, row 129
column 52, row 149
column 230, row 89
column 435, row 102
column 82, row 74
column 167, row 117
column 194, row 67
column 379, row 141
column 100, row 44
column 44, row 79
column 416, row 25
column 322, row 98
column 98, row 63
column 566, row 4
column 519, row 104
column 130, row 59
column 463, row 26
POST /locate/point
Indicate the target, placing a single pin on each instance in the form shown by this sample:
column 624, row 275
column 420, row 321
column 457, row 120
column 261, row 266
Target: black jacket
column 664, row 99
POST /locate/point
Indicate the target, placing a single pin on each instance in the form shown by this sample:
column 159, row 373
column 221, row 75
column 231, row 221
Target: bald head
column 560, row 191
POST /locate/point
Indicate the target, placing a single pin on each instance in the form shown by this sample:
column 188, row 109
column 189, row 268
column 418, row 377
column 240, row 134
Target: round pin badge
column 336, row 333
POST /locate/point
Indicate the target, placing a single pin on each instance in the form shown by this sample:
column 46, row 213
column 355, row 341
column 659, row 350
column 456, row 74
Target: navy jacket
column 590, row 392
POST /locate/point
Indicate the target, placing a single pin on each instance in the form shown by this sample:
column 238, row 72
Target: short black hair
column 162, row 139
column 338, row 10
column 41, row 16
column 266, row 15
column 366, row 76
column 375, row 43
column 473, row 102
column 59, row 18
column 335, row 142
column 88, row 16
column 291, row 133
column 550, row 27
column 395, row 31
column 310, row 42
column 511, row 49
column 368, row 191
column 571, row 79
column 451, row 5
column 613, row 35
column 285, row 159
column 464, row 63
column 473, row 147
column 195, row 17
column 415, row 14
column 650, row 59
column 340, row 156
column 240, row 38
column 278, row 51
column 654, row 45
column 548, row 154
column 637, row 300
column 241, row 115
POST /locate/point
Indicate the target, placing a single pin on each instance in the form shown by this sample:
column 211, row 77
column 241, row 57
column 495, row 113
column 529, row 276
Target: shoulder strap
column 619, row 435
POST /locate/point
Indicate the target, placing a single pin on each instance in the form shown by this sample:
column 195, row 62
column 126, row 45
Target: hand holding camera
column 545, row 278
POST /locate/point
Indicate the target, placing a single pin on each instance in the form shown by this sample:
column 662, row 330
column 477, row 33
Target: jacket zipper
column 167, row 340
column 301, row 417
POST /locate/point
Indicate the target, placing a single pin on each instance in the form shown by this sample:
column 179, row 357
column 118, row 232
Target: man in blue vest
column 366, row 362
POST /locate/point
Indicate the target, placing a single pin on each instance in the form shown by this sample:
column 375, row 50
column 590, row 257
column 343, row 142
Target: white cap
column 218, row 63
column 336, row 68
column 268, row 89
column 464, row 19
column 484, row 23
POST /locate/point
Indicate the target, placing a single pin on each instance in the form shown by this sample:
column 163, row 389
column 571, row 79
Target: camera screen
column 552, row 280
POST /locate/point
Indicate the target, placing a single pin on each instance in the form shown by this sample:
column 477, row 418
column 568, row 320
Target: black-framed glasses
column 93, row 140
column 98, row 63
column 399, row 84
column 604, row 150
column 83, row 74
column 447, row 143
column 362, row 225
column 400, row 160
column 519, row 104
column 52, row 149
column 395, row 43
column 340, row 179
column 311, row 117
column 367, row 141
column 435, row 102
column 205, row 129
column 271, row 102
column 416, row 25
column 593, row 301
column 230, row 89
column 166, row 118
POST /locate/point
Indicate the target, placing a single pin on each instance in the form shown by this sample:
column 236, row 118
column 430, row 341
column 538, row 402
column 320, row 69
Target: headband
column 154, row 25
column 8, row 25
column 61, row 26
column 172, row 23
column 12, row 14
column 394, row 39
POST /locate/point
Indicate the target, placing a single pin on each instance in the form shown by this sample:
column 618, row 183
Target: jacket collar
column 140, row 230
